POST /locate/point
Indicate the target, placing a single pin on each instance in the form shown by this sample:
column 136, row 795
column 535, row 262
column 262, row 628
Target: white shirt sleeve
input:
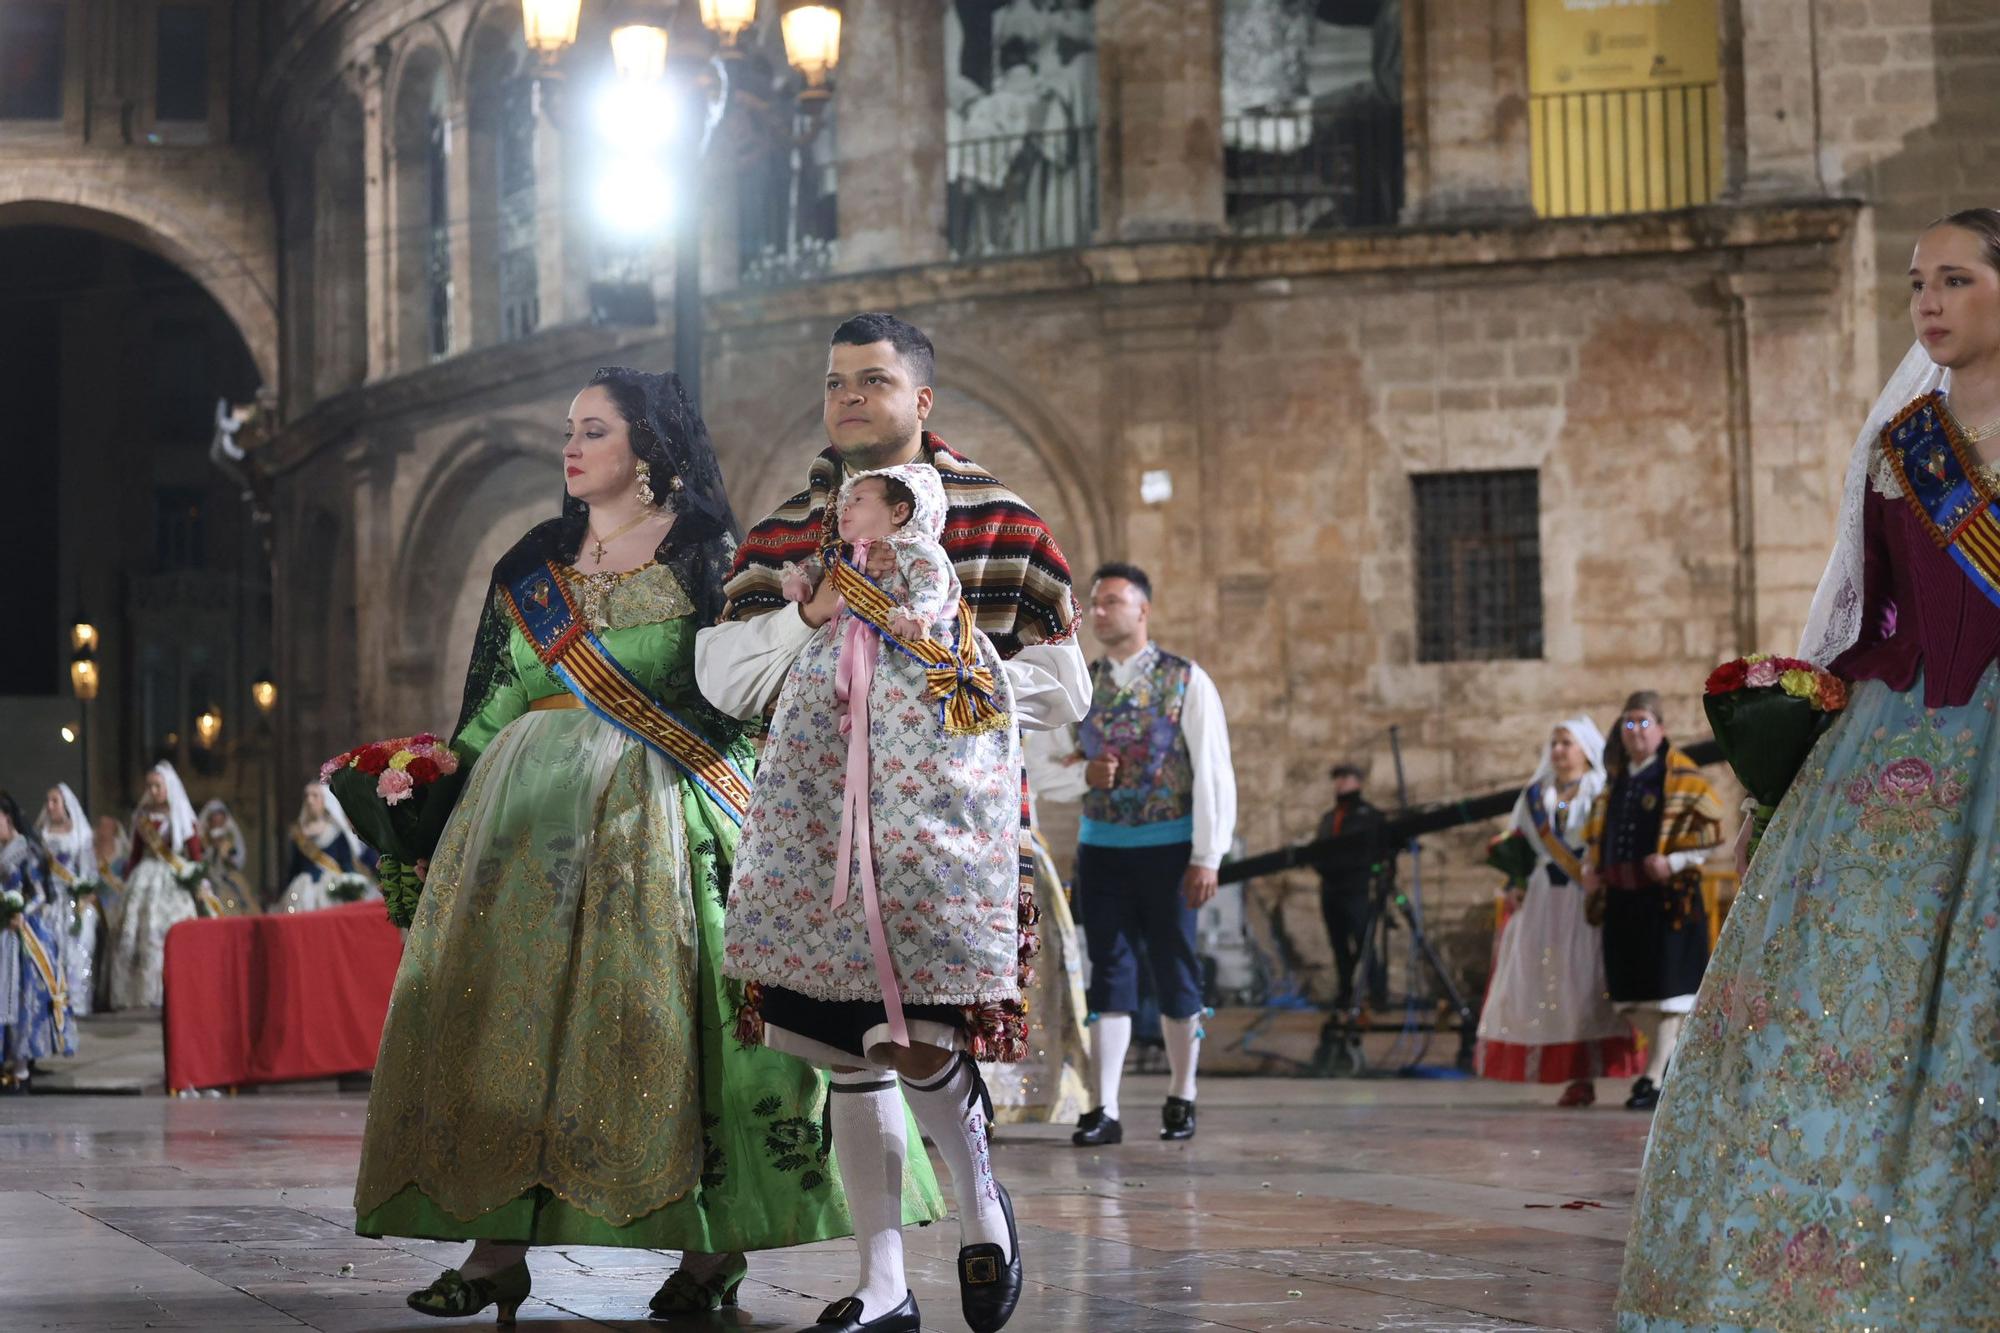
column 1049, row 777
column 741, row 664
column 1680, row 861
column 1051, row 685
column 1207, row 733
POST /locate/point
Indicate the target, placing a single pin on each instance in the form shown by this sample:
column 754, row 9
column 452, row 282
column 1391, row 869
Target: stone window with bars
column 1479, row 565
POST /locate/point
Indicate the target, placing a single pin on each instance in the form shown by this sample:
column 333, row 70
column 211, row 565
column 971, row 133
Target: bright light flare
column 635, row 197
column 639, row 52
column 636, row 118
column 812, row 41
column 69, row 736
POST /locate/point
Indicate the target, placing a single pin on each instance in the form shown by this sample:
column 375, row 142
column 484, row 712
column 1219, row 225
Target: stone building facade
column 1674, row 392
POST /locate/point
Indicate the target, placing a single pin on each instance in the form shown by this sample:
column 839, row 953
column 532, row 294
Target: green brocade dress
column 559, row 1064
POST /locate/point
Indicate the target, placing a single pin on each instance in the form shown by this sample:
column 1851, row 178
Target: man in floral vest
column 1159, row 813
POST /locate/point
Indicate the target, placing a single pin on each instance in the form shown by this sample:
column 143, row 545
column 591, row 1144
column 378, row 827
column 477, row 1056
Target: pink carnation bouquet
column 398, row 794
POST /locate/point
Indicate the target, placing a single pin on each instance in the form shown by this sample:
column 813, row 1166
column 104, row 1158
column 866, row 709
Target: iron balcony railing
column 1642, row 150
column 1319, row 169
column 1021, row 194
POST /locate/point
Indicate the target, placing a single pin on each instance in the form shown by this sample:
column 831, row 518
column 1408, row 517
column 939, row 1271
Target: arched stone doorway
column 116, row 360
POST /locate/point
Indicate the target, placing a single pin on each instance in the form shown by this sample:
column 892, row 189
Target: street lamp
column 83, row 683
column 264, row 694
column 208, row 726
column 550, row 26
column 812, row 45
column 640, row 51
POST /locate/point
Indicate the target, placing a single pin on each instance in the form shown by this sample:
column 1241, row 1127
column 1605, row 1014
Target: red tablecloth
column 261, row 999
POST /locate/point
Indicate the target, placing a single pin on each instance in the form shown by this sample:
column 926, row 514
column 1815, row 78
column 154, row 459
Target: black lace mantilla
column 668, row 434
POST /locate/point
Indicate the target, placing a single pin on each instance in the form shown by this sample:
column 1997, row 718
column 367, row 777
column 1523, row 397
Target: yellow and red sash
column 315, row 853
column 957, row 681
column 540, row 604
column 38, row 956
column 203, row 894
column 1553, row 846
column 1940, row 476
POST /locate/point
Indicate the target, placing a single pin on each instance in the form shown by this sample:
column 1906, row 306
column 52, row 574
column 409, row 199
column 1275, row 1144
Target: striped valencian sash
column 957, row 681
column 315, row 853
column 1553, row 846
column 38, row 957
column 182, row 869
column 540, row 604
column 1940, row 476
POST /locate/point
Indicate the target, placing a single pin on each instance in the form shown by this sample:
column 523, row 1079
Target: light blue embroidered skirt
column 1827, row 1154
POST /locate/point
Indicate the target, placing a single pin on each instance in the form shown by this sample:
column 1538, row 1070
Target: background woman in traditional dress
column 65, row 831
column 1547, row 1017
column 557, row 1065
column 323, row 852
column 224, row 854
column 114, row 850
column 166, row 851
column 1827, row 1153
column 38, row 1022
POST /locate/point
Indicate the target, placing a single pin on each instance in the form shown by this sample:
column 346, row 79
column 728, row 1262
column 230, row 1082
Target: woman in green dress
column 558, row 1066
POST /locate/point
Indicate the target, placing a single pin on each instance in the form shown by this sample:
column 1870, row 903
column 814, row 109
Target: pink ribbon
column 851, row 679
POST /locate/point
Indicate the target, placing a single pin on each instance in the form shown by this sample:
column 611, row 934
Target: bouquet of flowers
column 1768, row 712
column 398, row 794
column 12, row 904
column 1510, row 854
column 195, row 880
column 84, row 897
column 348, row 888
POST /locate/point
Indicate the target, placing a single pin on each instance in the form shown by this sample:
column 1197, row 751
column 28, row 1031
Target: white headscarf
column 1591, row 741
column 1834, row 623
column 336, row 817
column 79, row 844
column 180, row 811
column 237, row 853
column 926, row 488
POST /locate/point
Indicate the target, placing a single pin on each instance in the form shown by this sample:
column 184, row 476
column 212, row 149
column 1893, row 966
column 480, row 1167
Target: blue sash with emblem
column 1940, row 477
column 540, row 603
column 1566, row 864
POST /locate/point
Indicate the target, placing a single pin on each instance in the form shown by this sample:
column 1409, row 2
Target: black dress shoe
column 988, row 1286
column 1096, row 1129
column 844, row 1316
column 1645, row 1095
column 1177, row 1119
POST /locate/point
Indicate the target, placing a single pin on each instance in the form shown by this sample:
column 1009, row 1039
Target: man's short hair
column 1132, row 574
column 1347, row 771
column 910, row 342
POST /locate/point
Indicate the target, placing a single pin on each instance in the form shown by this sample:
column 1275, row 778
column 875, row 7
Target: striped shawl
column 1014, row 576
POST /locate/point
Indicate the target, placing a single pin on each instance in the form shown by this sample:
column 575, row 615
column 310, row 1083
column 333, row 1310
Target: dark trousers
column 1346, row 911
column 1131, row 901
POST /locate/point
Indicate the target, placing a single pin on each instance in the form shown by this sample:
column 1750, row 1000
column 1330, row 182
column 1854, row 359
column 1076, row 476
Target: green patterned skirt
column 558, row 1065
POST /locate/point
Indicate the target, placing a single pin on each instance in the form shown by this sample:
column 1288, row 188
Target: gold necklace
column 1974, row 434
column 597, row 551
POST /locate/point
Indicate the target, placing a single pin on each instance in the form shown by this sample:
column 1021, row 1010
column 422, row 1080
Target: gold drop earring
column 646, row 483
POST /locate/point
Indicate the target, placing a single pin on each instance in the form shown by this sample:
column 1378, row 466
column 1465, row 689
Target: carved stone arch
column 488, row 488
column 235, row 263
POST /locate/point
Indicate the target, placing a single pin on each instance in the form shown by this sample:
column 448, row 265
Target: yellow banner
column 1591, row 46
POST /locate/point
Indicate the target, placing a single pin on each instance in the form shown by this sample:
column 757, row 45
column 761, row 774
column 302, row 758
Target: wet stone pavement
column 1414, row 1205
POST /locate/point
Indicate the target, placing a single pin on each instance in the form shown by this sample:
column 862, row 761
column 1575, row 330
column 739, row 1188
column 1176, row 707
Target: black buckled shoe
column 1645, row 1095
column 1177, row 1119
column 844, row 1316
column 989, row 1287
column 1097, row 1129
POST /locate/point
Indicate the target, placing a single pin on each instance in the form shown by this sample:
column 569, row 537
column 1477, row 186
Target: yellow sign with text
column 1590, row 46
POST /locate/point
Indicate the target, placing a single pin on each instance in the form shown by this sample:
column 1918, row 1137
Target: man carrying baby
column 1010, row 572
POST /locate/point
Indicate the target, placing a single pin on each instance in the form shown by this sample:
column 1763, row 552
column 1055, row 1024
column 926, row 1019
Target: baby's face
column 868, row 516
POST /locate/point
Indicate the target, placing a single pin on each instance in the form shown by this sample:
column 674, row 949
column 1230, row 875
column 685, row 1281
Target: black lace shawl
column 669, row 435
